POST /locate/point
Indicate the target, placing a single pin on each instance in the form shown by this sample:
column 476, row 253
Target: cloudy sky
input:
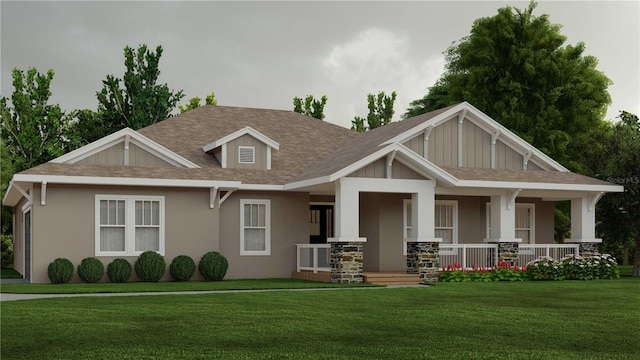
column 262, row 54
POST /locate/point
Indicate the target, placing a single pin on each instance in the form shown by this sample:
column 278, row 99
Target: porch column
column 346, row 246
column 423, row 248
column 583, row 224
column 503, row 227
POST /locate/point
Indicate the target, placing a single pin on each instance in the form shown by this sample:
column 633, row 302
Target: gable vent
column 246, row 154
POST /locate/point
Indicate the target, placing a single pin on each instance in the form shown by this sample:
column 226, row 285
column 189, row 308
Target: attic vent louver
column 246, row 154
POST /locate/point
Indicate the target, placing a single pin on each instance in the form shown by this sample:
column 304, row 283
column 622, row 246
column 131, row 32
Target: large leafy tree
column 380, row 112
column 86, row 126
column 32, row 128
column 137, row 100
column 310, row 106
column 513, row 67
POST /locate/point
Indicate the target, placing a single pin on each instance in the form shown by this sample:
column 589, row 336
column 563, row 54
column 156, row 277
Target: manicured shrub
column 150, row 266
column 500, row 272
column 90, row 270
column 60, row 271
column 213, row 266
column 545, row 268
column 119, row 270
column 6, row 245
column 182, row 268
column 602, row 266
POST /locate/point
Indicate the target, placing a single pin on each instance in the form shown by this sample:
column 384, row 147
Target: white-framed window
column 246, row 154
column 445, row 221
column 128, row 225
column 524, row 222
column 255, row 227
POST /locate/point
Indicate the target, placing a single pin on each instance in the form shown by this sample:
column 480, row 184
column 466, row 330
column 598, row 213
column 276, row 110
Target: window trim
column 129, row 223
column 267, row 227
column 253, row 154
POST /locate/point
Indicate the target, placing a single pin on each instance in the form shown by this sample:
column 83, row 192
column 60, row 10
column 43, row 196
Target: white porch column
column 422, row 217
column 503, row 218
column 347, row 204
column 583, row 219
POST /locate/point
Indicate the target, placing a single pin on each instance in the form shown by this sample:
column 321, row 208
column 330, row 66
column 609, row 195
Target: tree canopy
column 32, row 129
column 310, row 106
column 195, row 103
column 513, row 67
column 380, row 112
column 141, row 101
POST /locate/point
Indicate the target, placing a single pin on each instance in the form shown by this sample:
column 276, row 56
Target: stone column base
column 423, row 258
column 508, row 253
column 346, row 262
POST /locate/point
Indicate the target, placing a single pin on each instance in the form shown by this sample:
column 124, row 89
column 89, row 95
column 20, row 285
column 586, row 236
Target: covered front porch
column 376, row 227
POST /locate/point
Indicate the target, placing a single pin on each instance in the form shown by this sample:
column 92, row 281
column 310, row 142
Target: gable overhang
column 20, row 182
column 126, row 136
column 248, row 130
column 399, row 152
column 489, row 125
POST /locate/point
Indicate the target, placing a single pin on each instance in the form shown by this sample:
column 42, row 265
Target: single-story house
column 279, row 193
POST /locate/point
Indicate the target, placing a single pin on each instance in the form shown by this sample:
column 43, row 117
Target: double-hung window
column 524, row 222
column 129, row 225
column 255, row 227
column 445, row 221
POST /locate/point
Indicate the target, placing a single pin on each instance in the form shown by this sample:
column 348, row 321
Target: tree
column 195, row 103
column 85, row 127
column 142, row 101
column 513, row 67
column 380, row 112
column 32, row 129
column 310, row 106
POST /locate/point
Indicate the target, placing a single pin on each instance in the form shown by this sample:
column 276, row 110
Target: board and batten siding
column 443, row 144
column 247, row 140
column 476, row 148
column 507, row 158
column 416, row 144
column 378, row 170
column 114, row 155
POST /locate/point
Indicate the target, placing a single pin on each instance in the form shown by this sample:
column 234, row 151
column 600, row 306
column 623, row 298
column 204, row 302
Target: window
column 445, row 221
column 524, row 222
column 255, row 223
column 246, row 154
column 129, row 225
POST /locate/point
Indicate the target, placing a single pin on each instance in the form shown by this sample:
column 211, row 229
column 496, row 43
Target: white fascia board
column 124, row 181
column 118, row 137
column 308, row 182
column 539, row 186
column 248, row 130
column 261, row 187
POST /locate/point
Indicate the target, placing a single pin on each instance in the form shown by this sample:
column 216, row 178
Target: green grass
column 167, row 286
column 519, row 320
column 9, row 274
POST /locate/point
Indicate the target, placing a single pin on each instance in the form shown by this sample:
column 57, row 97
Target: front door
column 320, row 223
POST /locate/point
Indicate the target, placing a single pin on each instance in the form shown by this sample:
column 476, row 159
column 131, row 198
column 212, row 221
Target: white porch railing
column 313, row 257
column 468, row 255
column 530, row 252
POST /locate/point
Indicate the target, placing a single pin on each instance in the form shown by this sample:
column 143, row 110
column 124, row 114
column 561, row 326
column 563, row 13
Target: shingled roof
column 309, row 149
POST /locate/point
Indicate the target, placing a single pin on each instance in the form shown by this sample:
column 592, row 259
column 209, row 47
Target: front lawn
column 521, row 320
column 8, row 273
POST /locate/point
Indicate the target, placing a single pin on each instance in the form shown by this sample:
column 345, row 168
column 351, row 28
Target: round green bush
column 150, row 266
column 60, row 271
column 119, row 270
column 213, row 266
column 182, row 268
column 90, row 270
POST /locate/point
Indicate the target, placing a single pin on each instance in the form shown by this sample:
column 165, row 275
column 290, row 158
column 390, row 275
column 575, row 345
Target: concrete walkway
column 14, row 297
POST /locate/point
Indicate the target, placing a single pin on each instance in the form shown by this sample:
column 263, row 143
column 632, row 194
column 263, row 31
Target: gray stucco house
column 279, row 193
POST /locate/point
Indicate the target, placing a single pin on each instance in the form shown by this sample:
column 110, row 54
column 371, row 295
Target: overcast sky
column 262, row 54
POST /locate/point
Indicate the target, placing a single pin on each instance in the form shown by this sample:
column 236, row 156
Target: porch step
column 391, row 278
